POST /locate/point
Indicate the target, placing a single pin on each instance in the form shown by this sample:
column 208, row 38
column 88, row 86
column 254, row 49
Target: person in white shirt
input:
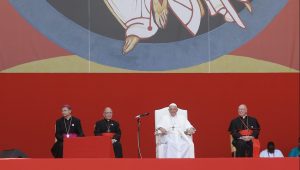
column 271, row 152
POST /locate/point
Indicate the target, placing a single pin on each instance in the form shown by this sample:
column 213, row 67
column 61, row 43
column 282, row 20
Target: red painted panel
column 20, row 42
column 279, row 41
column 30, row 104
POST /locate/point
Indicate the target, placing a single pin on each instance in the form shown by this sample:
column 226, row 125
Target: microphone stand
column 139, row 138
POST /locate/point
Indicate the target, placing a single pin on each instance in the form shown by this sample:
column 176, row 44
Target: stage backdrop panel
column 30, row 104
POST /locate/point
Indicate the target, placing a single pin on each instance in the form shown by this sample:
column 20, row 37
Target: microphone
column 141, row 115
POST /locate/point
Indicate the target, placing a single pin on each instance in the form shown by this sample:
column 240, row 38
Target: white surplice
column 176, row 144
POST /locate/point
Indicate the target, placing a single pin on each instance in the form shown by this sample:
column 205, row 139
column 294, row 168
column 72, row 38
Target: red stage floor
column 151, row 164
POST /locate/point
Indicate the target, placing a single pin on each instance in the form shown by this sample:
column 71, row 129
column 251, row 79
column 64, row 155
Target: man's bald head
column 242, row 110
column 173, row 109
column 107, row 113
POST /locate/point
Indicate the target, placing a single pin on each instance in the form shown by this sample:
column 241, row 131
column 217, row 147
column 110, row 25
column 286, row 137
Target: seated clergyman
column 245, row 131
column 175, row 132
column 107, row 125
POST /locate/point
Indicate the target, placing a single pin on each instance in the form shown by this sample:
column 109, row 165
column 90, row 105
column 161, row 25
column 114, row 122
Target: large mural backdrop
column 149, row 36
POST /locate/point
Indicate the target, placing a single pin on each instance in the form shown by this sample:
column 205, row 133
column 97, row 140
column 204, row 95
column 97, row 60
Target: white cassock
column 176, row 144
column 136, row 16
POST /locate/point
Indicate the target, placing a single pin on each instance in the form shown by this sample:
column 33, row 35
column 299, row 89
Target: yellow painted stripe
column 224, row 64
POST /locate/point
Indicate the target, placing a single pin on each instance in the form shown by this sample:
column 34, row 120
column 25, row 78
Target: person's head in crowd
column 271, row 147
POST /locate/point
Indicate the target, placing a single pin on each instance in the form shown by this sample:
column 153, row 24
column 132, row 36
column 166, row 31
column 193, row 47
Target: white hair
column 173, row 105
column 243, row 105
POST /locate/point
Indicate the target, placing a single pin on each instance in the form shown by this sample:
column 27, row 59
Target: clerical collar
column 107, row 120
column 243, row 117
column 68, row 119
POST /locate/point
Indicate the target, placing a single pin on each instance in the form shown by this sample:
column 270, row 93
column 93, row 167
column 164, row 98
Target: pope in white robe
column 174, row 133
column 142, row 18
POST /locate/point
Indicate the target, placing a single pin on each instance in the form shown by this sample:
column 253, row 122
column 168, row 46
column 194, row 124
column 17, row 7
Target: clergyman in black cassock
column 65, row 127
column 107, row 125
column 242, row 142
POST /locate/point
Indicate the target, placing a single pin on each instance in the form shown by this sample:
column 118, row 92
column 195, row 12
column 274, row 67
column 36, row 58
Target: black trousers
column 118, row 150
column 243, row 148
column 57, row 149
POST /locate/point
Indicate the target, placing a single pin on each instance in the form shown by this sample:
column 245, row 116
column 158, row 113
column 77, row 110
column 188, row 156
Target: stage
column 150, row 164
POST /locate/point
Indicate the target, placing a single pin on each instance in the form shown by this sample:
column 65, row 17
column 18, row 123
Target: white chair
column 160, row 145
